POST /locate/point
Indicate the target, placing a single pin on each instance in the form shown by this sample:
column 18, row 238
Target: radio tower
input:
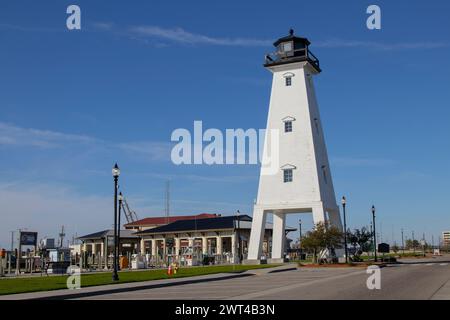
column 167, row 198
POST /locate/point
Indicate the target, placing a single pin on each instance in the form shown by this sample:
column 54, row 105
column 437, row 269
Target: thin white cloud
column 180, row 35
column 340, row 43
column 45, row 207
column 149, row 150
column 18, row 136
column 15, row 136
column 103, row 26
column 199, row 178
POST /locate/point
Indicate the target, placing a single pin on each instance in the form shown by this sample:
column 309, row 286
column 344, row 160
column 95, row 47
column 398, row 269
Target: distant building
column 446, row 238
column 97, row 248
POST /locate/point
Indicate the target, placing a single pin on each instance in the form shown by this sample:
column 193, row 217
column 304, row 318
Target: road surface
column 420, row 279
column 412, row 279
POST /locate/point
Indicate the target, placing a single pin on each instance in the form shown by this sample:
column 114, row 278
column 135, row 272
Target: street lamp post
column 344, row 202
column 300, row 237
column 118, row 229
column 374, row 234
column 115, row 173
column 238, row 218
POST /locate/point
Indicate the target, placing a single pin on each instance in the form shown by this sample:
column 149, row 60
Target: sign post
column 26, row 238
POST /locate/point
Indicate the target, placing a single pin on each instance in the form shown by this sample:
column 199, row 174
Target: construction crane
column 130, row 215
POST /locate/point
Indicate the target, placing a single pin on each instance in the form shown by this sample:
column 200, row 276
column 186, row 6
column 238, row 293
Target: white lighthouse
column 302, row 182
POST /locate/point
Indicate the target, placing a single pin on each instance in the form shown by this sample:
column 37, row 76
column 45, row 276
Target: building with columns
column 189, row 240
column 202, row 241
column 97, row 248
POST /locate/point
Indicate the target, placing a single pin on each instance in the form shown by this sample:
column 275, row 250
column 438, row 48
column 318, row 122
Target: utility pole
column 403, row 243
column 423, row 243
column 10, row 253
column 167, row 204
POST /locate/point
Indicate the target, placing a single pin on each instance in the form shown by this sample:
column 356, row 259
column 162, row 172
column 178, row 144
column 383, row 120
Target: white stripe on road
column 429, row 264
column 443, row 264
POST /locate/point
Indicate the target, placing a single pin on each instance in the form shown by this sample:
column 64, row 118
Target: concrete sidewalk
column 122, row 287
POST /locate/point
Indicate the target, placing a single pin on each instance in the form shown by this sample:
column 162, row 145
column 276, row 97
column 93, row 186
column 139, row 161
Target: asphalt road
column 420, row 279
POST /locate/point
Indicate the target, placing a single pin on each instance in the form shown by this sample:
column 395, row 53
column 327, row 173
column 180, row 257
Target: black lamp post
column 374, row 234
column 115, row 173
column 118, row 229
column 344, row 202
column 300, row 237
column 238, row 218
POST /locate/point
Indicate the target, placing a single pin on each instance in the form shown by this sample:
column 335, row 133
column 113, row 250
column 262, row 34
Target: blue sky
column 74, row 102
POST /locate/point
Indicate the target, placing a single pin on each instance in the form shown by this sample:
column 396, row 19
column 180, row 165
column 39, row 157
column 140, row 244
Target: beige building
column 202, row 241
column 97, row 248
column 446, row 238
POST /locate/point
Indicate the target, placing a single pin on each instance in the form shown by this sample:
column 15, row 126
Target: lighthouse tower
column 301, row 182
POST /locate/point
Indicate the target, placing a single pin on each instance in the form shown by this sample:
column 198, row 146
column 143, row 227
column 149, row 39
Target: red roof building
column 153, row 222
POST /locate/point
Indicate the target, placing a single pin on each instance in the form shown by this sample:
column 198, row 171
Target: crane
column 130, row 215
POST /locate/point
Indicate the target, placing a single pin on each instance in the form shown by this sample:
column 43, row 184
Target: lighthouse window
column 287, row 46
column 287, row 175
column 288, row 81
column 288, row 126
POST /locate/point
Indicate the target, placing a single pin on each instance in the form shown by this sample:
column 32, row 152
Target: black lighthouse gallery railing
column 297, row 55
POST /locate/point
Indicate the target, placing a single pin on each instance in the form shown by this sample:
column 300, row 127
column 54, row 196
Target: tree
column 360, row 239
column 412, row 244
column 395, row 248
column 322, row 237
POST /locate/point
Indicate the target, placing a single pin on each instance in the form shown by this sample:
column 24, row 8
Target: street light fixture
column 300, row 237
column 374, row 234
column 115, row 173
column 238, row 218
column 344, row 202
column 118, row 229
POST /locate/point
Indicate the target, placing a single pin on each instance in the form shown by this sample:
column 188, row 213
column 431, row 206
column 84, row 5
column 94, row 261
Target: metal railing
column 278, row 56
